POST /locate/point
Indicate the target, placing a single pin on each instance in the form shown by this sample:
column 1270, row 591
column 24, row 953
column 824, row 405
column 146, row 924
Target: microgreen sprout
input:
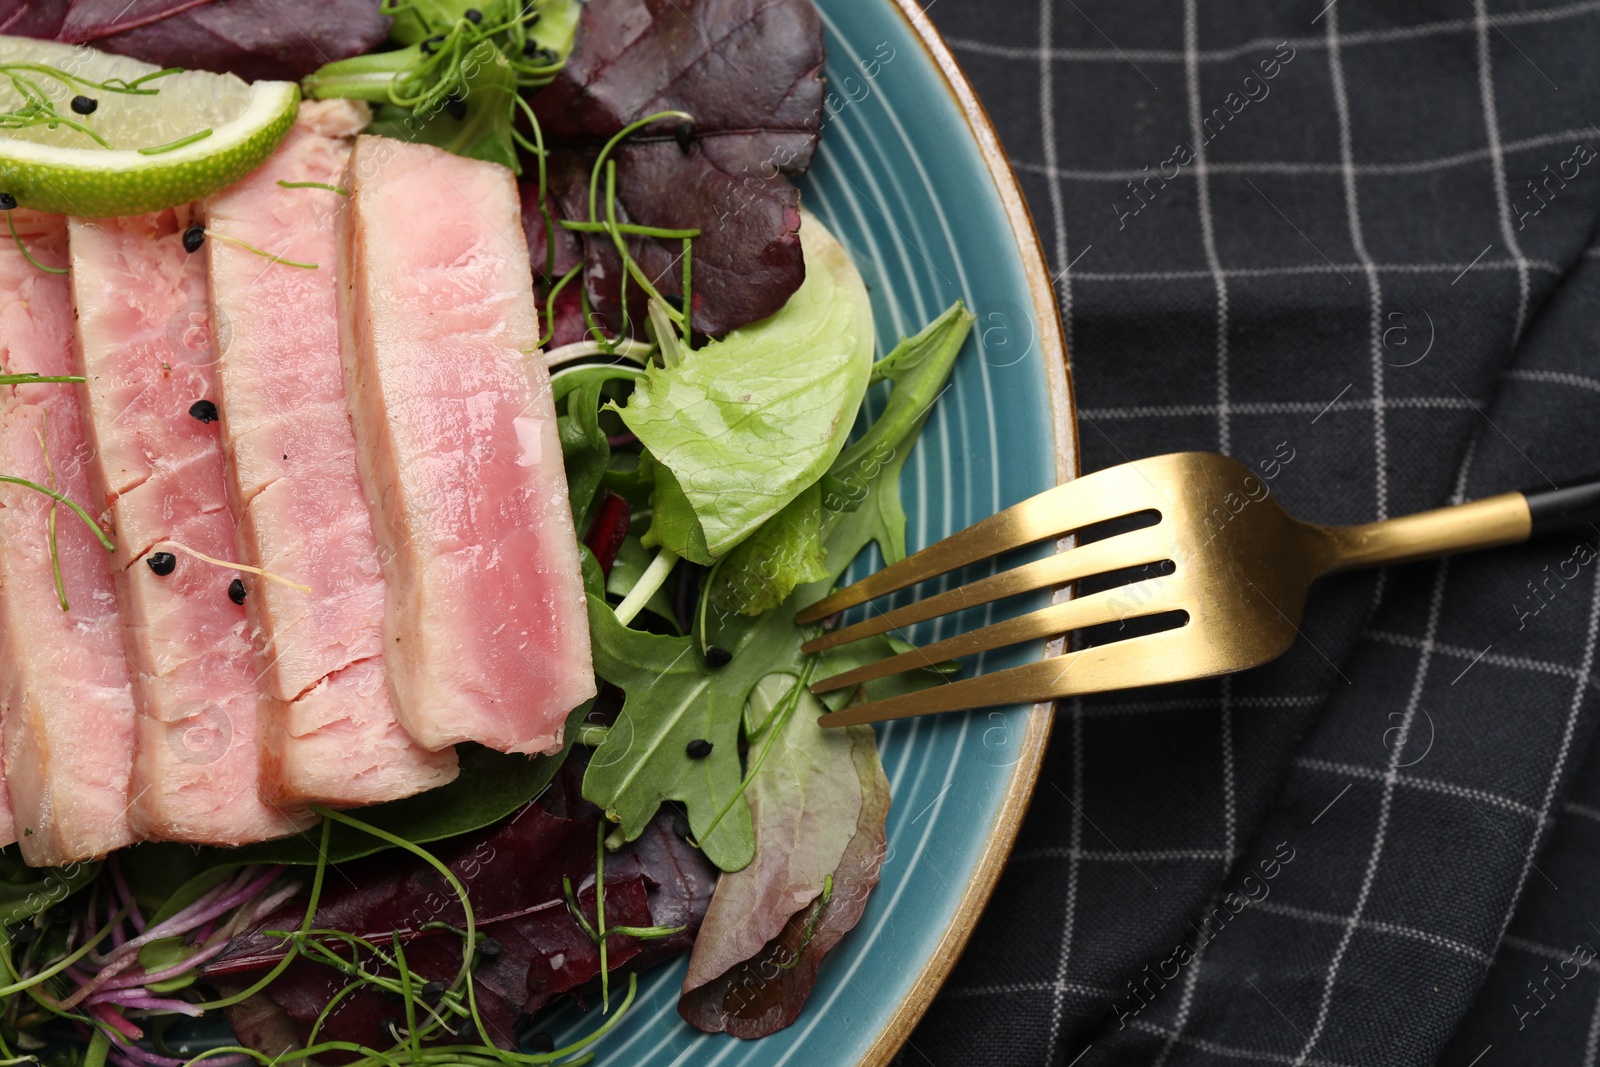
column 37, row 109
column 62, row 498
column 598, row 931
column 55, row 550
column 248, row 247
column 214, row 561
column 11, row 222
column 315, row 185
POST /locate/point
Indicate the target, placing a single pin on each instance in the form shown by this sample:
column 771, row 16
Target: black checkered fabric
column 1352, row 244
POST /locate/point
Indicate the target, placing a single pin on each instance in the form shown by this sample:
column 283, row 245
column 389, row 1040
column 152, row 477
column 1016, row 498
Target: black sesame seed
column 718, row 657
column 391, row 1027
column 432, row 992
column 456, row 106
column 162, row 563
column 431, row 45
column 193, row 238
column 84, row 105
column 466, row 1029
column 7, row 201
column 539, row 53
column 699, row 748
column 489, row 948
column 685, row 135
column 473, row 15
column 204, row 410
column 236, row 591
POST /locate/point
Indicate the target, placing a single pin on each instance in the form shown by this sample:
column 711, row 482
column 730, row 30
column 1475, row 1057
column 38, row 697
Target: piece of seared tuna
column 331, row 736
column 486, row 637
column 144, row 347
column 65, row 700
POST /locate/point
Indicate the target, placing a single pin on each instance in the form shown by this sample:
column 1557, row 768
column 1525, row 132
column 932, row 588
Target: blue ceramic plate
column 911, row 178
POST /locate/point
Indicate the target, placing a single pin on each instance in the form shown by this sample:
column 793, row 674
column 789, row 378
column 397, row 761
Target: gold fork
column 1241, row 568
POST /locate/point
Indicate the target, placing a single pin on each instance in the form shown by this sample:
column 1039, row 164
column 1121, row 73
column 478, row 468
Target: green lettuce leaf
column 840, row 515
column 746, row 423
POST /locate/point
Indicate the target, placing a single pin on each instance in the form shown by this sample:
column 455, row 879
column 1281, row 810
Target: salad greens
column 745, row 423
column 456, row 79
column 678, row 691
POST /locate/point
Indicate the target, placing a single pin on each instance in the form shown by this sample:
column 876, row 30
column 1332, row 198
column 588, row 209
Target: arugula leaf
column 746, row 423
column 671, row 698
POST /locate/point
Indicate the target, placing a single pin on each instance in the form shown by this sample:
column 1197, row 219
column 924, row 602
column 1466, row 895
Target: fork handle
column 1507, row 519
column 1494, row 521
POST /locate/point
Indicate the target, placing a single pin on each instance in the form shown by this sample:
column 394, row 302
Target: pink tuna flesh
column 65, row 698
column 144, row 347
column 333, row 736
column 485, row 634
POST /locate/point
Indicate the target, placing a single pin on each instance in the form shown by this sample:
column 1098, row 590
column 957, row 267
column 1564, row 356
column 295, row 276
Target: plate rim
column 1051, row 337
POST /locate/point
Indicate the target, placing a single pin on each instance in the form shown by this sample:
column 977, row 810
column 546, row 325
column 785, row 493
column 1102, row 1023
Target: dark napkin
column 1351, row 244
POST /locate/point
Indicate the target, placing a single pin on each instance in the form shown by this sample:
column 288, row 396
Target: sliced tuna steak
column 143, row 345
column 485, row 634
column 333, row 736
column 64, row 699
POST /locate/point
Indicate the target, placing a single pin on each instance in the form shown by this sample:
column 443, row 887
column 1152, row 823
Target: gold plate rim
column 1052, row 340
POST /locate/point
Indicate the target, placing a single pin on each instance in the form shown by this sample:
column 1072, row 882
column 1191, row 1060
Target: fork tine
column 1098, row 497
column 1107, row 606
column 1114, row 553
column 1148, row 660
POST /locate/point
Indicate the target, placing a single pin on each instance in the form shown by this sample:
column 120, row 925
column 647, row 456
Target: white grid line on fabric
column 1150, row 855
column 1591, row 1043
column 1208, row 232
column 1421, row 166
column 1219, row 280
column 1385, row 805
column 1585, row 665
column 1543, row 265
column 1376, row 926
column 1291, row 407
column 1522, row 663
column 1144, row 707
column 1228, row 1051
column 1534, row 948
column 1057, row 1005
column 1491, row 124
column 1230, row 836
column 1012, row 988
column 1216, row 55
column 1557, row 377
column 1417, row 781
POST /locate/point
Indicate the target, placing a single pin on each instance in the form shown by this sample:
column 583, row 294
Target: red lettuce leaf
column 513, row 874
column 254, row 39
column 749, row 71
column 766, row 992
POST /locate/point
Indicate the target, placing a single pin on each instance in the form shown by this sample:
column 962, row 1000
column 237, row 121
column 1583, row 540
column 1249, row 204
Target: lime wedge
column 177, row 138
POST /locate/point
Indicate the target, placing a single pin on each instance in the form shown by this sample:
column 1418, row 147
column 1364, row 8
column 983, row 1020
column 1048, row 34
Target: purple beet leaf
column 749, row 72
